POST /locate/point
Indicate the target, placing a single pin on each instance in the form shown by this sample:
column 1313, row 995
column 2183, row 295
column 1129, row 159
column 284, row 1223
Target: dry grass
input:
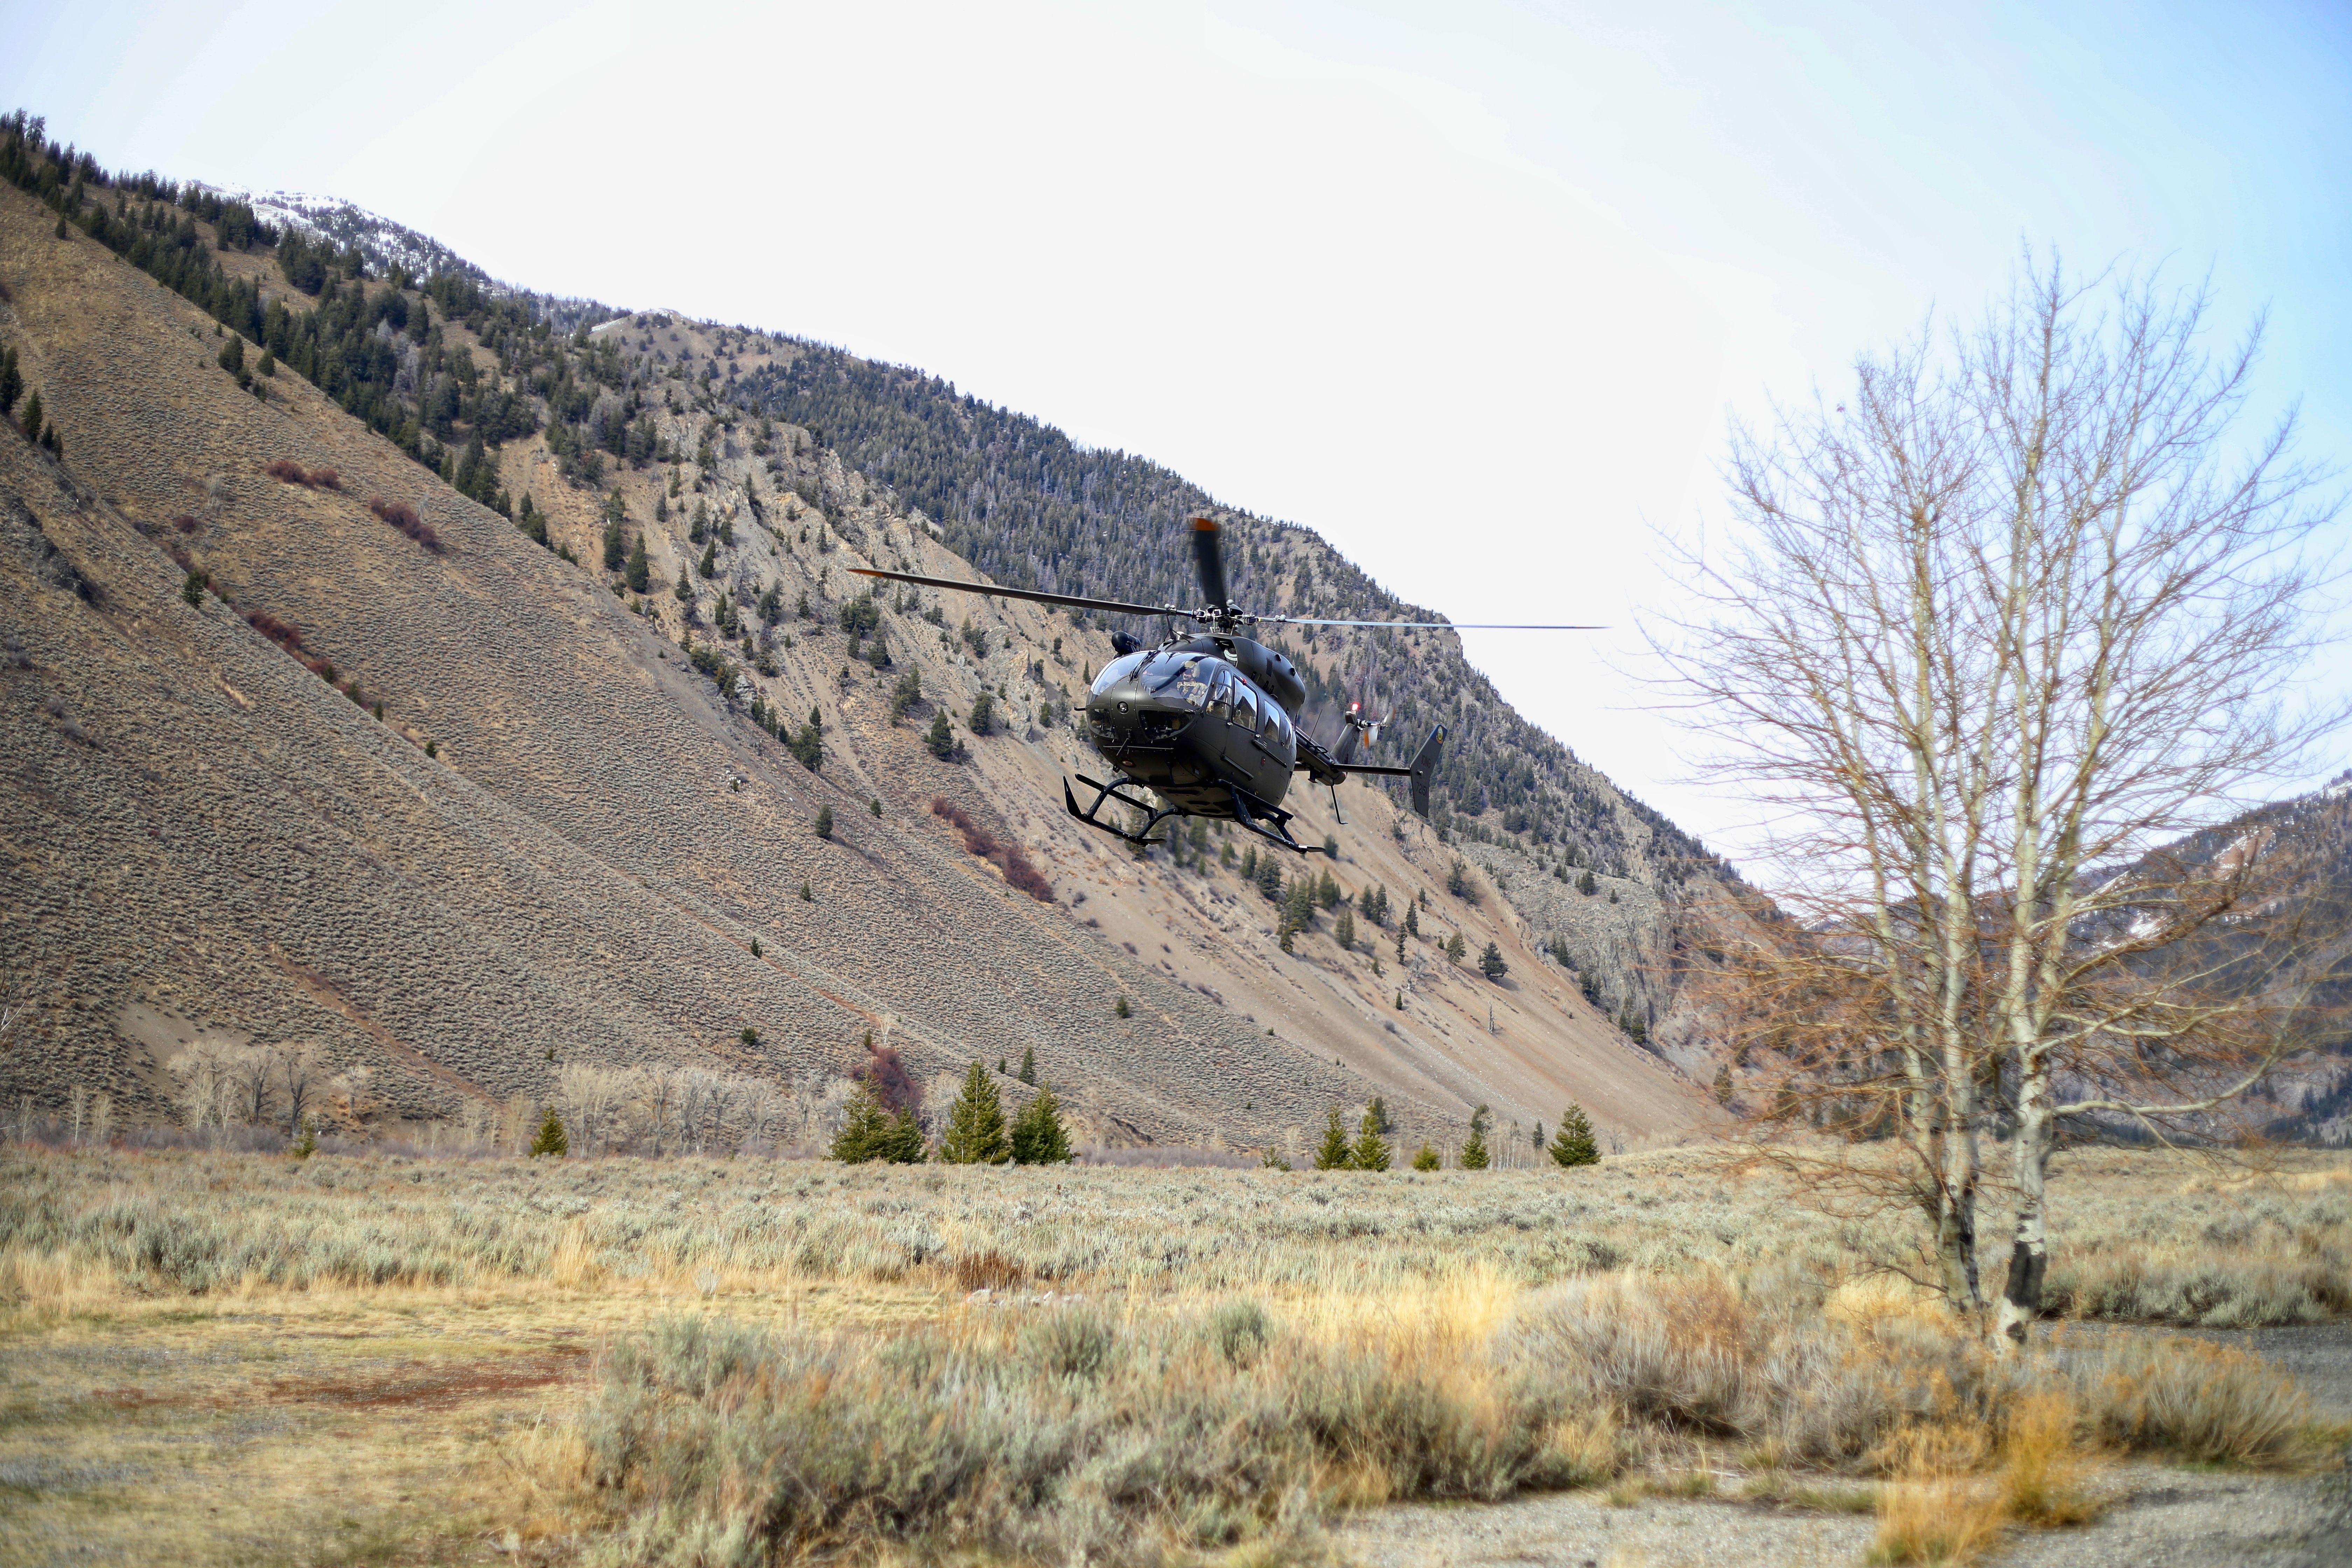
column 2045, row 1469
column 1229, row 1357
column 1937, row 1509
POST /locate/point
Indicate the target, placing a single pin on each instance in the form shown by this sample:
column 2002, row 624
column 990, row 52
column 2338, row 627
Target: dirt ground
column 326, row 1427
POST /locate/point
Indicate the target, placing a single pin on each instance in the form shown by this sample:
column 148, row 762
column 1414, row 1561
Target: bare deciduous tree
column 1999, row 629
column 305, row 1077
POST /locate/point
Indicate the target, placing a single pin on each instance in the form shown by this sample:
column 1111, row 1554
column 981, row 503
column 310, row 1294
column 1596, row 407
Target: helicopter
column 1203, row 719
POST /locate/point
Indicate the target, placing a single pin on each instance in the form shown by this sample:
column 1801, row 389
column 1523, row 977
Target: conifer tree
column 1473, row 1151
column 902, row 1141
column 1038, row 1136
column 865, row 1128
column 1029, row 1063
column 616, row 544
column 640, row 574
column 33, row 417
column 12, row 383
column 1491, row 965
column 1573, row 1143
column 940, row 740
column 1298, row 904
column 1335, row 1153
column 551, row 1139
column 824, row 821
column 1372, row 1150
column 708, row 565
column 1455, row 948
column 1425, row 1159
column 685, row 590
column 975, row 1134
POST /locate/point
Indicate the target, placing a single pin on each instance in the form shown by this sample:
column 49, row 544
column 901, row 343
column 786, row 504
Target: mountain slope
column 203, row 833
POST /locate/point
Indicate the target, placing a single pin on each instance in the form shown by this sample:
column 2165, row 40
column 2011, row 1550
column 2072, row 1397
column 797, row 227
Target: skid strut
column 1269, row 821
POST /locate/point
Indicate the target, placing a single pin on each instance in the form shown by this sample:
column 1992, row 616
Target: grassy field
column 242, row 1358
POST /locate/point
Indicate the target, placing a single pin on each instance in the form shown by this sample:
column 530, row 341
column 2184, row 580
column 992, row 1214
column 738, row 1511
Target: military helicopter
column 1204, row 720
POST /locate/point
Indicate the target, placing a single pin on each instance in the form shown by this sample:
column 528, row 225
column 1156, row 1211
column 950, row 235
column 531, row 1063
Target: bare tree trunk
column 2028, row 1253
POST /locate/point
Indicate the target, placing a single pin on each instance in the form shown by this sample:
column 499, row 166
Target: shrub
column 1120, row 1008
column 2204, row 1402
column 402, row 516
column 293, row 473
column 1019, row 870
column 989, row 1270
column 1426, row 1159
column 192, row 589
column 1071, row 1435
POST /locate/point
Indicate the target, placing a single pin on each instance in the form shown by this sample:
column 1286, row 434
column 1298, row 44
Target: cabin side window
column 1245, row 706
column 1221, row 692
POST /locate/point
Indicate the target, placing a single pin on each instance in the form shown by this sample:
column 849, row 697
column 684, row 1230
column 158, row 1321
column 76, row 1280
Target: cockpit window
column 1119, row 670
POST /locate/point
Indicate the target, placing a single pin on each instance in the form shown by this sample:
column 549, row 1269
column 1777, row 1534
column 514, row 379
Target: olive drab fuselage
column 1187, row 723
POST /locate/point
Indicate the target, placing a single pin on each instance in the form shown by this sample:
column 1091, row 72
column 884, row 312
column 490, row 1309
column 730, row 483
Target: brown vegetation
column 1010, row 858
column 402, row 516
column 294, row 473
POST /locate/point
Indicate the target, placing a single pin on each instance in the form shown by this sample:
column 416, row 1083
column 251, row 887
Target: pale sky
column 1470, row 289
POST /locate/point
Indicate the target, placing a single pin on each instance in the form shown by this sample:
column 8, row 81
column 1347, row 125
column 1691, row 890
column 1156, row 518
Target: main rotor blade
column 1209, row 562
column 1109, row 606
column 1410, row 626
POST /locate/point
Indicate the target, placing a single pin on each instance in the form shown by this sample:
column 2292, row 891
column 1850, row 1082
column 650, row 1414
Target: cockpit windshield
column 1181, row 679
column 1119, row 670
column 1184, row 677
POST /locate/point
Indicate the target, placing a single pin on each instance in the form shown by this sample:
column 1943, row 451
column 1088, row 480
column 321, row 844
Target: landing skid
column 1270, row 823
column 1107, row 792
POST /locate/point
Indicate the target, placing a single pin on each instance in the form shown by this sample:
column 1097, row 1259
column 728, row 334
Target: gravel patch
column 2170, row 1518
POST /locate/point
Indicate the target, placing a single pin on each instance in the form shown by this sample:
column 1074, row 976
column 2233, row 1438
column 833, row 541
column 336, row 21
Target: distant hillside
column 612, row 600
column 2312, row 1100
